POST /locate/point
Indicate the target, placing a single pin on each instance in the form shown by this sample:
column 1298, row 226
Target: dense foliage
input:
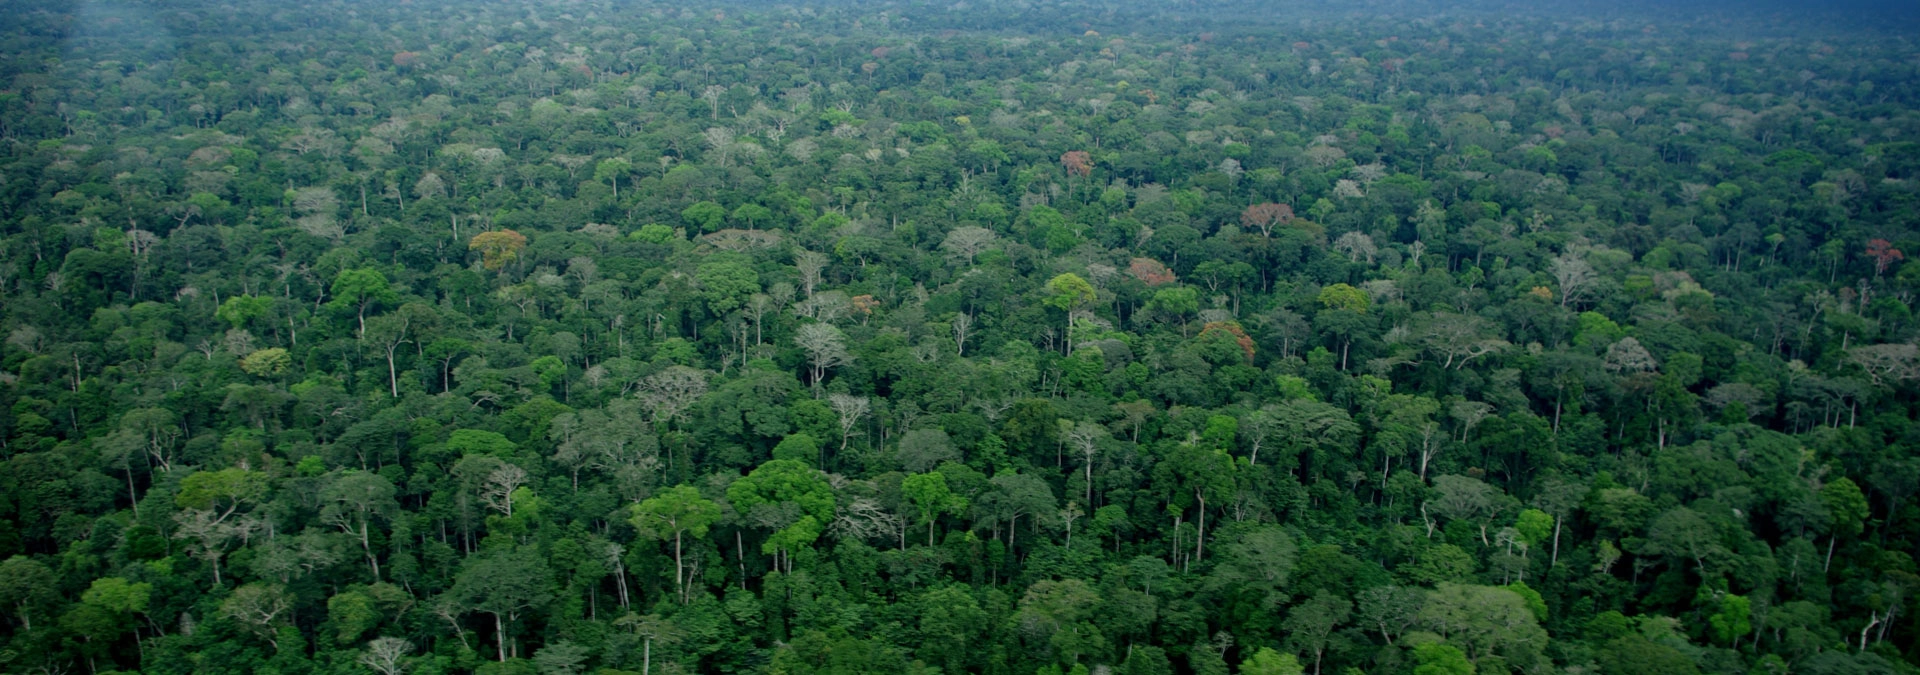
column 616, row 338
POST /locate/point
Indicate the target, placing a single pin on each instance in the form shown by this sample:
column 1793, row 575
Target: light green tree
column 930, row 497
column 672, row 514
column 1266, row 661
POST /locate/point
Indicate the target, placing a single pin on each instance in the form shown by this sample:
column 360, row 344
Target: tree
column 388, row 332
column 210, row 501
column 362, row 289
column 930, row 497
column 1266, row 661
column 1485, row 621
column 1085, row 437
column 267, row 362
column 27, row 587
column 1056, row 616
column 1733, row 619
column 1575, row 277
column 1390, row 610
column 1883, row 255
column 674, row 513
column 668, row 394
column 825, row 346
column 1534, row 527
column 1887, row 364
column 1457, row 339
column 384, row 655
column 157, row 431
column 610, row 170
column 240, row 310
column 1014, row 495
column 498, row 248
column 502, row 583
column 765, row 495
column 105, row 611
column 726, row 285
column 923, row 449
column 950, row 626
column 1069, row 293
column 1847, row 509
column 1557, row 498
column 1150, row 272
column 849, row 410
column 1356, row 245
column 967, row 242
column 261, row 607
column 1466, row 498
column 1636, row 655
column 810, row 265
column 1264, row 217
column 560, row 658
column 1077, row 163
column 1256, row 563
column 1440, row 658
column 1343, row 296
column 353, row 500
column 1682, row 532
column 704, row 216
column 651, row 628
column 1310, row 624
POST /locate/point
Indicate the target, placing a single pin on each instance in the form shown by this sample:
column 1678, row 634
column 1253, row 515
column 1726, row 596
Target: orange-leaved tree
column 498, row 248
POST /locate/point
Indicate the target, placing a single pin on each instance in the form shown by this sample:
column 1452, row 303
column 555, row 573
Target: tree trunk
column 367, row 546
column 1555, row 562
column 500, row 637
column 1089, row 480
column 679, row 587
column 393, row 378
column 1200, row 534
column 131, row 494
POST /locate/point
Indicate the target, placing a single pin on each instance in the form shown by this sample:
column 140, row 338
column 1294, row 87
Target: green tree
column 240, row 310
column 1310, row 624
column 1266, row 661
column 610, row 170
column 672, row 514
column 354, row 500
column 362, row 289
column 1485, row 621
column 951, row 623
column 726, row 285
column 1069, row 293
column 502, row 583
column 764, row 494
column 27, row 587
column 1847, row 511
column 704, row 216
column 1732, row 619
column 1440, row 658
column 1056, row 616
column 930, row 497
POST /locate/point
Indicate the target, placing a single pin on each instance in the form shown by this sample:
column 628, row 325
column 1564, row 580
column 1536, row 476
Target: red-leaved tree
column 1150, row 272
column 1883, row 254
column 1077, row 163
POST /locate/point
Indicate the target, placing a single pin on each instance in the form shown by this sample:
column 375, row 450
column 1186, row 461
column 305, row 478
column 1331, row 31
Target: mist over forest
column 1001, row 338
